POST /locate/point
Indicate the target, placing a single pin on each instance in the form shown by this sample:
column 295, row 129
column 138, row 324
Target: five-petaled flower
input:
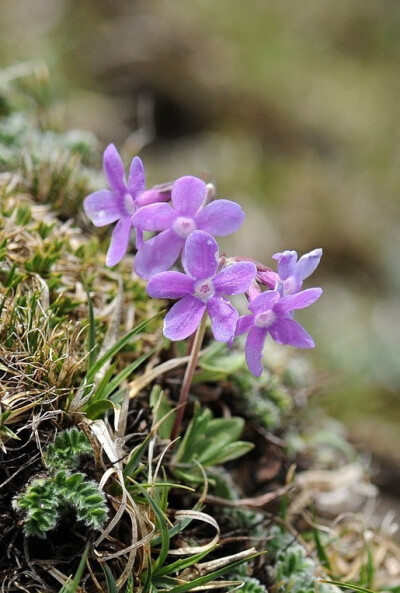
column 201, row 289
column 271, row 314
column 120, row 202
column 292, row 272
column 178, row 221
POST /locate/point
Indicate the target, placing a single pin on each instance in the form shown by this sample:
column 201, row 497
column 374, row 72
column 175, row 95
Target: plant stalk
column 188, row 377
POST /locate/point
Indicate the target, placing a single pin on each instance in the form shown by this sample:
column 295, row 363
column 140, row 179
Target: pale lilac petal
column 244, row 324
column 137, row 178
column 287, row 331
column 235, row 279
column 158, row 254
column 286, row 263
column 300, row 300
column 268, row 278
column 223, row 318
column 183, row 318
column 200, row 259
column 151, row 196
column 114, row 169
column 188, row 194
column 264, row 301
column 139, row 242
column 119, row 241
column 307, row 264
column 155, row 217
column 253, row 349
column 220, row 218
column 170, row 285
column 103, row 207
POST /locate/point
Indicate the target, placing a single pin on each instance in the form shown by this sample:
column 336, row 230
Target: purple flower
column 177, row 221
column 293, row 272
column 271, row 315
column 201, row 289
column 120, row 202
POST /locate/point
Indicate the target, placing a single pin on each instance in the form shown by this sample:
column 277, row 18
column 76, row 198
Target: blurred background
column 293, row 111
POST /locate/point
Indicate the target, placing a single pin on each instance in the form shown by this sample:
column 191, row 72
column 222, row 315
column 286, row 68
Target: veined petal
column 286, row 263
column 158, row 254
column 300, row 300
column 151, row 196
column 287, row 331
column 137, row 177
column 264, row 301
column 119, row 241
column 170, row 285
column 103, row 207
column 253, row 349
column 307, row 264
column 154, row 217
column 244, row 324
column 183, row 318
column 114, row 169
column 200, row 259
column 235, row 278
column 220, row 218
column 223, row 318
column 188, row 194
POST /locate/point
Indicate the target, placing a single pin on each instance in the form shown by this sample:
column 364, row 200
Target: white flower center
column 204, row 289
column 183, row 226
column 129, row 204
column 265, row 319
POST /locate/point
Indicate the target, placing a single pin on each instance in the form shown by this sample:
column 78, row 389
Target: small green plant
column 46, row 499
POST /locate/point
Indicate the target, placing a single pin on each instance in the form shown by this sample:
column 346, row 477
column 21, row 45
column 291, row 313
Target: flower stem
column 188, row 377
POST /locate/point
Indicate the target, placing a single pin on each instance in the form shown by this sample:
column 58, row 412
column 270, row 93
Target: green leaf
column 124, row 374
column 97, row 409
column 116, row 348
column 110, row 580
column 91, row 336
column 350, row 586
column 161, row 523
column 71, row 586
column 201, row 581
column 227, row 453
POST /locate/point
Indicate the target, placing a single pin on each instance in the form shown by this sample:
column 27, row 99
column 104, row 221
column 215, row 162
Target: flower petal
column 114, row 169
column 151, row 196
column 236, row 278
column 300, row 300
column 155, row 217
column 170, row 285
column 103, row 207
column 223, row 318
column 307, row 264
column 119, row 241
column 253, row 349
column 200, row 259
column 286, row 263
column 220, row 218
column 183, row 318
column 137, row 177
column 158, row 254
column 188, row 194
column 244, row 324
column 264, row 301
column 287, row 331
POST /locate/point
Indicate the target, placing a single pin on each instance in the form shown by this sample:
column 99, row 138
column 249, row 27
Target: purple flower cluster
column 185, row 230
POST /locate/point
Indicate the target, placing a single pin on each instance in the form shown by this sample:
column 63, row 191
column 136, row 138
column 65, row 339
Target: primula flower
column 271, row 315
column 201, row 289
column 120, row 202
column 293, row 272
column 177, row 221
